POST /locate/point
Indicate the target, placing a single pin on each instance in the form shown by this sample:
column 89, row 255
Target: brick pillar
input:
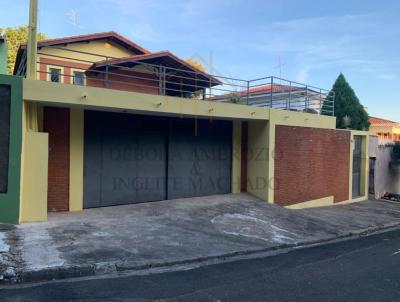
column 56, row 123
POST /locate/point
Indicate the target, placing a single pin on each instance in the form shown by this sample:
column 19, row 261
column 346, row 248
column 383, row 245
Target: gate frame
column 10, row 201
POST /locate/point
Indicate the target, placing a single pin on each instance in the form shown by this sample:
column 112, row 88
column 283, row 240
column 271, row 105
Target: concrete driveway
column 181, row 231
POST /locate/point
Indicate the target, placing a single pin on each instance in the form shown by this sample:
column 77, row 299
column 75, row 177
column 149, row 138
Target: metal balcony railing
column 170, row 76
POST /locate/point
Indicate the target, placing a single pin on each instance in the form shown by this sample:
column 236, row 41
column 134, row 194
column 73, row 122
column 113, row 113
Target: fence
column 164, row 74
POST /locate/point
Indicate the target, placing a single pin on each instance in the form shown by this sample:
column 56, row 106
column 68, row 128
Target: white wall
column 386, row 180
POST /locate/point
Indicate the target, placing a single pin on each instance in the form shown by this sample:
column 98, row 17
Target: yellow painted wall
column 364, row 165
column 76, row 159
column 262, row 123
column 301, row 119
column 31, row 116
column 22, row 158
column 34, row 165
column 384, row 129
column 122, row 101
column 258, row 159
column 236, row 156
column 97, row 50
column 271, row 161
column 29, row 121
column 34, row 189
column 115, row 100
column 321, row 202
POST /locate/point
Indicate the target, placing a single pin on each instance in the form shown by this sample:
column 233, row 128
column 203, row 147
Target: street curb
column 109, row 268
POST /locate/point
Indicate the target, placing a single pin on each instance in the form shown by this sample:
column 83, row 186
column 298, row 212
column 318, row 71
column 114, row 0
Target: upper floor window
column 55, row 75
column 78, row 78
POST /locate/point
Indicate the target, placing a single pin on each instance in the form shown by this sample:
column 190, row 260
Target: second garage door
column 199, row 162
column 135, row 158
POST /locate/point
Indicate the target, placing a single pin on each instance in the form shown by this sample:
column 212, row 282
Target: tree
column 15, row 36
column 196, row 64
column 350, row 114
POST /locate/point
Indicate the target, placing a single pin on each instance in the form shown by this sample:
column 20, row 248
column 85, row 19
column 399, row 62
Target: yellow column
column 76, row 160
column 236, row 156
column 364, row 166
column 271, row 161
column 34, row 177
column 258, row 159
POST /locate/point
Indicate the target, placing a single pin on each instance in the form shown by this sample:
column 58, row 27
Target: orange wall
column 126, row 80
column 118, row 79
column 66, row 65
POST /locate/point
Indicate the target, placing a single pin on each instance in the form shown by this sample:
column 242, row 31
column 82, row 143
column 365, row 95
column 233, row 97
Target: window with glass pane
column 55, row 74
column 78, row 78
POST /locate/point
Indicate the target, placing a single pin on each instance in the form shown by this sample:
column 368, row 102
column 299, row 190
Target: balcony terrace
column 162, row 73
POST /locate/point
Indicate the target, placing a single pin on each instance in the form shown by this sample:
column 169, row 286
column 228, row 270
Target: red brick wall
column 118, row 79
column 126, row 80
column 56, row 123
column 311, row 163
column 65, row 67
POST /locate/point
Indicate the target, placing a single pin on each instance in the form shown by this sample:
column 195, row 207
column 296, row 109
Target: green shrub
column 233, row 98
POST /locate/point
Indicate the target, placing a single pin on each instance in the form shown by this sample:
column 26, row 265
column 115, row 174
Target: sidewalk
column 180, row 231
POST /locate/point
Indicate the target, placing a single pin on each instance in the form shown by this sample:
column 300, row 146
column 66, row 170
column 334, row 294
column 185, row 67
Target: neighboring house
column 386, row 130
column 107, row 122
column 296, row 97
column 3, row 55
column 382, row 178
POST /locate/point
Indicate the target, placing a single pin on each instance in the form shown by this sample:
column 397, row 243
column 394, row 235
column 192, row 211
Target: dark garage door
column 125, row 159
column 199, row 165
column 134, row 158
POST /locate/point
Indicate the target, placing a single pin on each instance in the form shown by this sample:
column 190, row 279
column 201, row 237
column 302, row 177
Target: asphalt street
column 365, row 269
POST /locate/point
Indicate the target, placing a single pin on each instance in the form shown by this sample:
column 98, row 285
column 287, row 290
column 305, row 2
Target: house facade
column 386, row 130
column 283, row 94
column 107, row 122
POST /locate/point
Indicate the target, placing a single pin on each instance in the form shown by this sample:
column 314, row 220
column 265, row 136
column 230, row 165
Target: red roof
column 263, row 89
column 160, row 58
column 275, row 88
column 110, row 35
column 376, row 121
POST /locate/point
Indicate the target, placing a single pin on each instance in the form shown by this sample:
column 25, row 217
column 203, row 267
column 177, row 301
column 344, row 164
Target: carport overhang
column 37, row 94
column 71, row 96
column 56, row 94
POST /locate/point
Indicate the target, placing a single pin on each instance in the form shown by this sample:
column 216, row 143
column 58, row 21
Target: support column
column 364, row 172
column 76, row 160
column 258, row 160
column 236, row 156
column 271, row 161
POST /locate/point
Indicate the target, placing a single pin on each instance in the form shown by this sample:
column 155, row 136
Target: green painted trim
column 3, row 57
column 10, row 201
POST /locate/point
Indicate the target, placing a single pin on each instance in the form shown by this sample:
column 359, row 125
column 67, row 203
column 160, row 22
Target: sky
column 313, row 40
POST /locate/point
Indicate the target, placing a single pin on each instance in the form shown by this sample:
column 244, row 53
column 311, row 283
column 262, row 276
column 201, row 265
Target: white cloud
column 302, row 75
column 325, row 41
